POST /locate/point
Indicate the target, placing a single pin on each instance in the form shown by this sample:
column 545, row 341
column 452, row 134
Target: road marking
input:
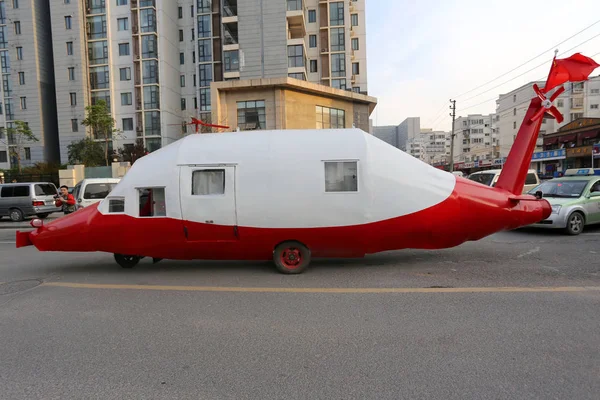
column 530, row 252
column 8, row 242
column 322, row 290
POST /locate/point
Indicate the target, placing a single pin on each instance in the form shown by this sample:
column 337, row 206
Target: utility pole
column 453, row 115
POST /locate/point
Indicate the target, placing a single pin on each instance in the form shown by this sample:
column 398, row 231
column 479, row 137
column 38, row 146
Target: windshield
column 45, row 190
column 561, row 188
column 486, row 179
column 98, row 190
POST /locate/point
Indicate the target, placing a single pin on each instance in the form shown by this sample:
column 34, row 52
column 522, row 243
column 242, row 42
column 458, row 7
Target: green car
column 575, row 200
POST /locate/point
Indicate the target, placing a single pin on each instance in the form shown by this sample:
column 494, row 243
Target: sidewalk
column 6, row 223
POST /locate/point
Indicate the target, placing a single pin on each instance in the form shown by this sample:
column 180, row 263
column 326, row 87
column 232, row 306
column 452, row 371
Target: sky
column 422, row 53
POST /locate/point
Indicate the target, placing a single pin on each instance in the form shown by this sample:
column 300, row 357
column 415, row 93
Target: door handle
column 209, row 221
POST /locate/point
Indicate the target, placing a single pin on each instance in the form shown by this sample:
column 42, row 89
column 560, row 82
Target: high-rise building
column 580, row 99
column 28, row 90
column 153, row 61
column 476, row 139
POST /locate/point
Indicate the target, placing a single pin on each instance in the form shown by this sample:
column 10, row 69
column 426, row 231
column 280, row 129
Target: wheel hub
column 291, row 257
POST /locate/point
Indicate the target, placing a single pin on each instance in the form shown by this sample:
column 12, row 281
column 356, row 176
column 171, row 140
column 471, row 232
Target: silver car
column 20, row 200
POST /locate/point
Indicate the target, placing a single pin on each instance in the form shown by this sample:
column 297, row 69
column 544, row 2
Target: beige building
column 287, row 103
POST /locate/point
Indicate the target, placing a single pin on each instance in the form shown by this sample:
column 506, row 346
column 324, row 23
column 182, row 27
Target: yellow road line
column 323, row 290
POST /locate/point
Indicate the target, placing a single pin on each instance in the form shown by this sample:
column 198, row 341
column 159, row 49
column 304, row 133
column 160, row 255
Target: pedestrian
column 65, row 200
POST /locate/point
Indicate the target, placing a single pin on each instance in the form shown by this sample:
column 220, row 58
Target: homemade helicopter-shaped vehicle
column 290, row 195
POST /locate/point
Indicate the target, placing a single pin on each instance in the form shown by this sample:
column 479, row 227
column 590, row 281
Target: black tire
column 575, row 223
column 291, row 257
column 42, row 216
column 126, row 261
column 15, row 215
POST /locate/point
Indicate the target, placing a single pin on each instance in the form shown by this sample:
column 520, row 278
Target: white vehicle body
column 93, row 190
column 490, row 178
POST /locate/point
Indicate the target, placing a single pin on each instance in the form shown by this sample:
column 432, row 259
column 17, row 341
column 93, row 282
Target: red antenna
column 196, row 122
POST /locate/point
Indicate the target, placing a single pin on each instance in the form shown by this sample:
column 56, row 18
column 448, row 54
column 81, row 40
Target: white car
column 92, row 190
column 490, row 178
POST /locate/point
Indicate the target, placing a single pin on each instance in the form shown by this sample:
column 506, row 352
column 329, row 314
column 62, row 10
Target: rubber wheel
column 291, row 257
column 42, row 216
column 575, row 224
column 15, row 215
column 127, row 261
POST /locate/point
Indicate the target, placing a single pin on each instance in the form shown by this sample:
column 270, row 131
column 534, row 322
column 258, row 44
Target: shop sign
column 549, row 154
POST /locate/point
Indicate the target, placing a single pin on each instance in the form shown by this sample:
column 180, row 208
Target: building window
column 338, row 39
column 204, row 50
column 514, row 98
column 336, row 13
column 192, row 11
column 15, row 3
column 295, row 56
column 251, row 115
column 23, row 103
column 27, row 153
column 312, row 16
column 341, row 176
column 355, row 44
column 594, row 106
column 560, row 103
column 338, row 84
column 68, row 22
column 152, row 202
column 313, row 65
column 182, row 80
column 126, row 99
column 121, row 2
column 195, row 103
column 232, row 60
column 514, row 125
column 181, row 35
column 123, row 49
column 193, row 57
column 355, row 69
column 338, row 65
column 194, row 80
column 3, row 157
column 69, row 1
column 298, row 75
column 71, row 73
column 69, row 48
column 21, row 78
column 354, row 20
column 123, row 24
column 312, row 41
column 206, row 76
column 181, row 58
column 208, row 182
column 127, row 124
column 73, row 98
column 193, row 34
column 17, row 27
column 330, row 118
column 180, row 11
column 183, row 106
column 19, row 53
column 125, row 74
column 204, row 26
column 205, row 104
column 294, row 5
column 74, row 126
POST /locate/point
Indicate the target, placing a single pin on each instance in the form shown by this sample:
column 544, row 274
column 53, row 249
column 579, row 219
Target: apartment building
column 429, row 146
column 154, row 61
column 579, row 100
column 28, row 89
column 399, row 135
column 476, row 138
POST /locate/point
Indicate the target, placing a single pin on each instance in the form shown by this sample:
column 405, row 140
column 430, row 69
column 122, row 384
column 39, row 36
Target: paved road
column 447, row 328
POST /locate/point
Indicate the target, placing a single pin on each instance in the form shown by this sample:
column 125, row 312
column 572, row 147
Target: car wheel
column 291, row 257
column 575, row 223
column 15, row 215
column 126, row 261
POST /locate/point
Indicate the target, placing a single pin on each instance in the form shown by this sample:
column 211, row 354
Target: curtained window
column 208, row 182
column 341, row 176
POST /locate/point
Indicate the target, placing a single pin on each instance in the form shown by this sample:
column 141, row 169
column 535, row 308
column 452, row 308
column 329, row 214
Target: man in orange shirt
column 65, row 200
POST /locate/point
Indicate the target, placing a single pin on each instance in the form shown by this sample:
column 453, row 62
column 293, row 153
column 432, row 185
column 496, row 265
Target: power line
column 527, row 62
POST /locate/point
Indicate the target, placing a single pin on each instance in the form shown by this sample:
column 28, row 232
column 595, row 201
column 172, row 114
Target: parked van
column 92, row 190
column 490, row 178
column 20, row 200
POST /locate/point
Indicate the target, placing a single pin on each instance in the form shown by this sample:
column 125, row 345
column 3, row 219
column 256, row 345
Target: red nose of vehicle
column 68, row 233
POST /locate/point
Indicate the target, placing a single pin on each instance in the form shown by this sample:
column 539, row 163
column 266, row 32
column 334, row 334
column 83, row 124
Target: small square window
column 116, row 206
column 123, row 49
column 123, row 24
column 341, row 176
column 208, row 182
column 126, row 99
column 152, row 202
column 125, row 74
column 312, row 16
column 127, row 124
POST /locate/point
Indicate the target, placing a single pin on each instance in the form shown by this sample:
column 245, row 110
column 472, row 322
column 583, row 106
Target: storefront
column 549, row 163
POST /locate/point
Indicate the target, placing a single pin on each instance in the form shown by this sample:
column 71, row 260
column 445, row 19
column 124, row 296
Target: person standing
column 65, row 200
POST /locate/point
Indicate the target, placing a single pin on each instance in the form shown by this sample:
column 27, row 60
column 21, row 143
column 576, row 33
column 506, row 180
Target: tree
column 131, row 154
column 86, row 151
column 18, row 136
column 101, row 122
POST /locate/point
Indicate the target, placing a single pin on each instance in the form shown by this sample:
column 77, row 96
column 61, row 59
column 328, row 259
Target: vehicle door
column 95, row 192
column 592, row 202
column 208, row 202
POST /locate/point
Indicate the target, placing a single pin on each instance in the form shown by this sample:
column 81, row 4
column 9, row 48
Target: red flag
column 573, row 69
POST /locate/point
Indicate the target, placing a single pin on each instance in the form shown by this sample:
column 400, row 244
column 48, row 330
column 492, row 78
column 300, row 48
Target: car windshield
column 45, row 190
column 561, row 188
column 485, row 179
column 98, row 190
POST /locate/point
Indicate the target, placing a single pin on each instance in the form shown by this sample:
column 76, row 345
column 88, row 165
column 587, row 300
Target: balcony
column 230, row 32
column 230, row 12
column 296, row 24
